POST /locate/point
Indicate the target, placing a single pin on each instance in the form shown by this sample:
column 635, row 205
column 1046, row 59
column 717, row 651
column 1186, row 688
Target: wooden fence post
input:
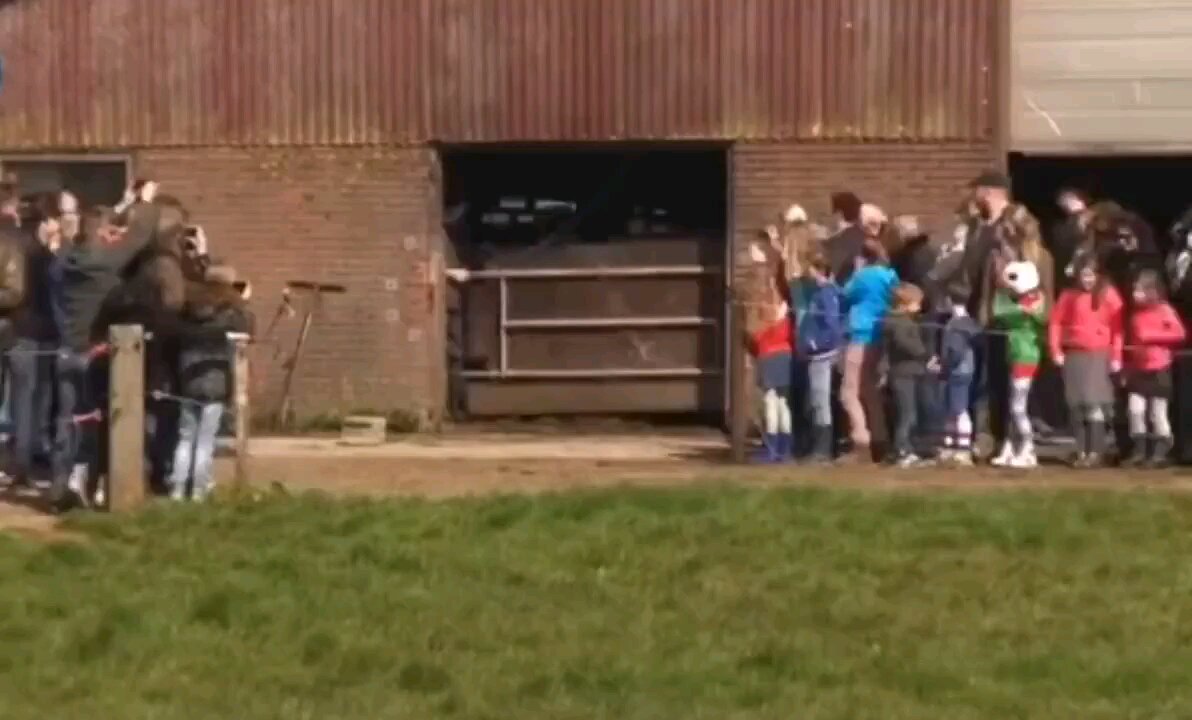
column 126, row 419
column 738, row 384
column 240, row 399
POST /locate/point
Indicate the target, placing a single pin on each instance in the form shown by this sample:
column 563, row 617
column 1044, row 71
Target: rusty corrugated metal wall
column 119, row 73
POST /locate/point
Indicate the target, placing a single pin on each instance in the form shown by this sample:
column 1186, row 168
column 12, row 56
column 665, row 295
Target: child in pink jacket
column 1085, row 339
column 1155, row 332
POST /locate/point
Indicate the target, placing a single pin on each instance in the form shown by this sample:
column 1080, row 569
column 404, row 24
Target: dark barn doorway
column 597, row 280
column 1158, row 188
column 94, row 180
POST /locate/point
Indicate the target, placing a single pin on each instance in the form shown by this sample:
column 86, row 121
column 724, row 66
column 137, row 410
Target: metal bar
column 738, row 384
column 503, row 340
column 593, row 374
column 626, row 272
column 614, row 322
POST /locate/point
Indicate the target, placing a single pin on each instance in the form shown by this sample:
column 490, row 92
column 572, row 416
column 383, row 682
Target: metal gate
column 595, row 340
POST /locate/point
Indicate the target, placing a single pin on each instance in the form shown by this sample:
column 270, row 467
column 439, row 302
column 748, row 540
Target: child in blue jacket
column 821, row 335
column 867, row 295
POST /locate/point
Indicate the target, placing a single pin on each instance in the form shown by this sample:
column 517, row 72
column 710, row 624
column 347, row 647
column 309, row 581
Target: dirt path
column 21, row 514
column 500, row 463
column 495, row 463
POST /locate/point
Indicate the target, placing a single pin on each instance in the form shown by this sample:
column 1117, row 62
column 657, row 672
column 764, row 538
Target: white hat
column 795, row 214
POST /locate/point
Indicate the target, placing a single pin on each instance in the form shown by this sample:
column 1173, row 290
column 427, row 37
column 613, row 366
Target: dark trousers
column 31, row 369
column 162, row 441
column 799, row 399
column 905, row 391
column 74, row 442
column 1181, row 373
column 991, row 401
column 932, row 417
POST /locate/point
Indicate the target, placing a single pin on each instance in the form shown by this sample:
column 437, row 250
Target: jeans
column 82, row 388
column 906, row 407
column 819, row 392
column 194, row 458
column 31, row 371
column 992, row 395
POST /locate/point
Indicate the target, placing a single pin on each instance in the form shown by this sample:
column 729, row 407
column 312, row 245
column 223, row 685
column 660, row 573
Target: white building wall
column 1092, row 76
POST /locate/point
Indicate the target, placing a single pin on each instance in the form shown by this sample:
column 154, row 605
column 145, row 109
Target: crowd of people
column 945, row 333
column 68, row 274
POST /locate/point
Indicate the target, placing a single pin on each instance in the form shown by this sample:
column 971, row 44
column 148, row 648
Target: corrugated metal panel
column 116, row 73
column 1101, row 75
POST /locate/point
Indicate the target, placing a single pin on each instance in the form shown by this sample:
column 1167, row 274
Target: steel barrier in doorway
column 509, row 327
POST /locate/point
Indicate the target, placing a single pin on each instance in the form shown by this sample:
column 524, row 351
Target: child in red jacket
column 1085, row 339
column 1155, row 332
column 770, row 339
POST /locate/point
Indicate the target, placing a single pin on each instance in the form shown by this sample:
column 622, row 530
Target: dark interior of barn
column 513, row 197
column 1158, row 188
column 616, row 302
column 93, row 182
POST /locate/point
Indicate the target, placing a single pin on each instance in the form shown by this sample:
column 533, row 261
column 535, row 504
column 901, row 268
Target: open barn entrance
column 596, row 280
column 1158, row 188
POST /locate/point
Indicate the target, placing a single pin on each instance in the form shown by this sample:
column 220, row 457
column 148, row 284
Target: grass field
column 715, row 603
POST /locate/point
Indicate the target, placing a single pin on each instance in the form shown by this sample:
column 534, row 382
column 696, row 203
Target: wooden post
column 126, row 419
column 240, row 395
column 738, row 385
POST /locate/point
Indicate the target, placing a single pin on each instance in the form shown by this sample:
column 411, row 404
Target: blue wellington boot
column 768, row 453
column 786, row 448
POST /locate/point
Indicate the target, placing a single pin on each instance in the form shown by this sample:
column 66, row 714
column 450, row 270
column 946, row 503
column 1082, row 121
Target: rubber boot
column 1160, row 456
column 1137, row 456
column 767, row 454
column 821, row 446
column 1096, row 444
column 786, row 447
column 1080, row 440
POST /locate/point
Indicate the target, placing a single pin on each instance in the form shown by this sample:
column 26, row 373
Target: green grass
column 715, row 603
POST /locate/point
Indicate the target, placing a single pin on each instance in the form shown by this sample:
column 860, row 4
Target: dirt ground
column 511, row 463
column 479, row 463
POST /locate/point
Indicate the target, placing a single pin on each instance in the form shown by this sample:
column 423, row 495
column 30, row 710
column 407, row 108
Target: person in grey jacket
column 83, row 280
column 214, row 308
column 908, row 357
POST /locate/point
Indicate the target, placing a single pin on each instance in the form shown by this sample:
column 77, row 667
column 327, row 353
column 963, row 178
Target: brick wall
column 364, row 218
column 925, row 180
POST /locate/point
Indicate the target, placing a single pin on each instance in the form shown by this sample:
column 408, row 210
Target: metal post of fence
column 240, row 399
column 738, row 385
column 126, row 419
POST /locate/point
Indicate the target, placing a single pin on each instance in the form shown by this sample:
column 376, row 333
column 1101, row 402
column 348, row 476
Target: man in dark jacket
column 32, row 360
column 1068, row 235
column 844, row 247
column 991, row 191
column 12, row 264
column 85, row 278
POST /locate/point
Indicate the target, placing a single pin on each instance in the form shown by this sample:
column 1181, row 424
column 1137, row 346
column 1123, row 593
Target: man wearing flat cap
column 991, row 193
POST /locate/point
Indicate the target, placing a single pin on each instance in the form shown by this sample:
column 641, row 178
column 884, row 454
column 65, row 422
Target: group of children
column 875, row 328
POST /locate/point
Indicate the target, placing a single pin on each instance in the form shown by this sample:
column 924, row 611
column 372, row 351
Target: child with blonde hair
column 769, row 337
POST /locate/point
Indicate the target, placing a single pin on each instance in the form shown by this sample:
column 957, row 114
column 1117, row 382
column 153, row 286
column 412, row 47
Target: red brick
column 924, row 180
column 334, row 216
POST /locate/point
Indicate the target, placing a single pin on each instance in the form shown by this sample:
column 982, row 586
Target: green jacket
column 1025, row 319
